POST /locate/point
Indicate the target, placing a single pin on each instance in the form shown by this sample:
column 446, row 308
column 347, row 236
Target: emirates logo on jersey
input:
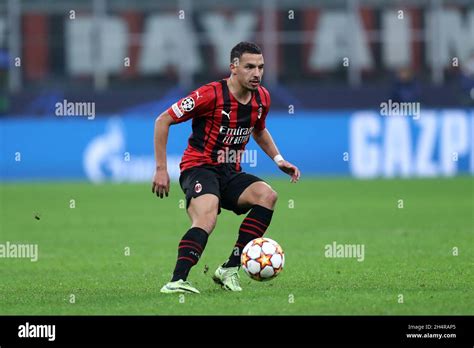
column 197, row 187
column 235, row 136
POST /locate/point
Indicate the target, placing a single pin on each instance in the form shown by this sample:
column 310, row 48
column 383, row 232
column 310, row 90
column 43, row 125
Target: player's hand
column 290, row 169
column 161, row 183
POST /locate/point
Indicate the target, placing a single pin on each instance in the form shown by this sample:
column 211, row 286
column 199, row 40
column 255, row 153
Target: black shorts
column 221, row 180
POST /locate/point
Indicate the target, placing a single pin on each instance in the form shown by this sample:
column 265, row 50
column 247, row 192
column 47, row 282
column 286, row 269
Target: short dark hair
column 244, row 47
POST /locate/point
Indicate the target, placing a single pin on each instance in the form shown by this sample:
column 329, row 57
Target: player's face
column 248, row 70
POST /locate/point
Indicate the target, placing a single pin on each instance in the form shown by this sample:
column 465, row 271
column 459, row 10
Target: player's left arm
column 265, row 141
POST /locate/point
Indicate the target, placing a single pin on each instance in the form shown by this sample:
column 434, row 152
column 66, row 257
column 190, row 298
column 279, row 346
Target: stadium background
column 328, row 66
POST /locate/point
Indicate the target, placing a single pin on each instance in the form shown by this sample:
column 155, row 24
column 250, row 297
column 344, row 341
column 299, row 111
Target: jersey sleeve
column 260, row 124
column 196, row 104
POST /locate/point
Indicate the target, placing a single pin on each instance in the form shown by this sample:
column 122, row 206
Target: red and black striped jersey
column 220, row 123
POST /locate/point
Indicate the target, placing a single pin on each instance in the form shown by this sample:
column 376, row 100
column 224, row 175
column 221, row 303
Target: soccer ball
column 262, row 259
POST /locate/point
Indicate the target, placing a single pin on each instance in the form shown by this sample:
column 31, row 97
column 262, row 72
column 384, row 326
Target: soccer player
column 225, row 113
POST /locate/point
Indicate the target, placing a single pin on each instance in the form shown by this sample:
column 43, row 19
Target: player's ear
column 234, row 65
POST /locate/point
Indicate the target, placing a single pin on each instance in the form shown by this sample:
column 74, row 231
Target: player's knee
column 267, row 197
column 206, row 221
column 272, row 197
column 203, row 212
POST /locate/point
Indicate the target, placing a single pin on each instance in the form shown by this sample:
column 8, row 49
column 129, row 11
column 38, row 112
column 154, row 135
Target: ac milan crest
column 260, row 109
column 197, row 187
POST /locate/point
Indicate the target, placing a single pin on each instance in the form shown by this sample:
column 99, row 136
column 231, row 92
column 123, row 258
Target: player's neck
column 240, row 93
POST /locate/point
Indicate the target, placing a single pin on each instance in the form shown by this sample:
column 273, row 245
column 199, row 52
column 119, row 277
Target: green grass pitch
column 82, row 250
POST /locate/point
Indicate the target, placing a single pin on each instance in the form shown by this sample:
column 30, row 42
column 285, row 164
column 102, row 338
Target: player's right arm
column 161, row 180
column 195, row 104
